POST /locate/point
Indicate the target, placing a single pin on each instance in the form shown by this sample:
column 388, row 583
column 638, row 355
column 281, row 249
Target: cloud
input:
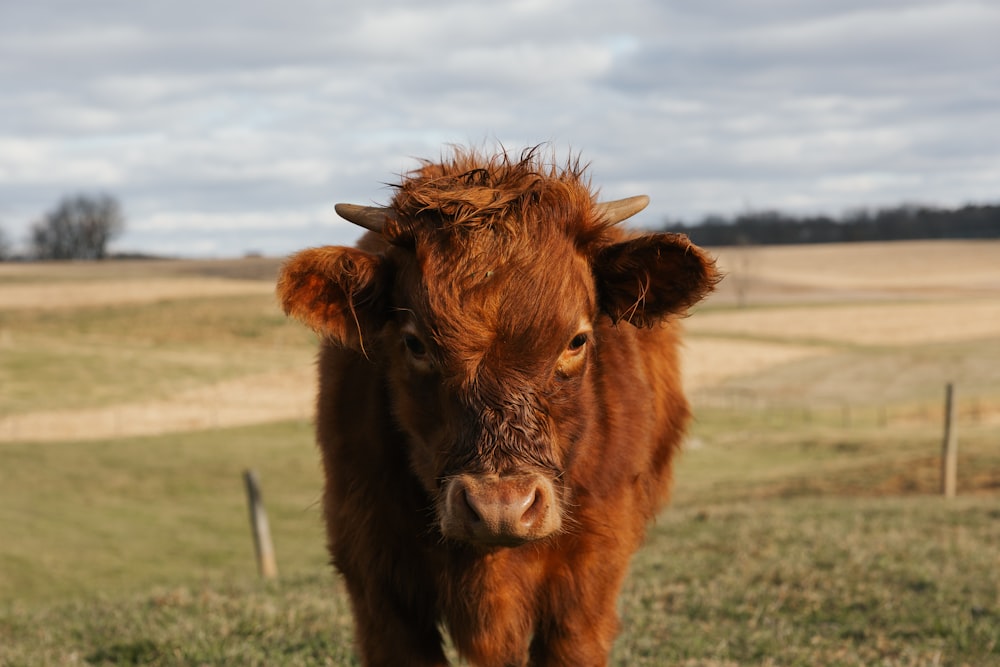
column 235, row 126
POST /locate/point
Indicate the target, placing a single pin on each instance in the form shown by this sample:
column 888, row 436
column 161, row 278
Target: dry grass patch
column 912, row 266
column 710, row 361
column 63, row 285
column 256, row 268
column 57, row 295
column 140, row 367
column 859, row 324
column 254, row 399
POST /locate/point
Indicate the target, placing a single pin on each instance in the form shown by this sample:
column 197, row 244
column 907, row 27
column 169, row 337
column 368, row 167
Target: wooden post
column 949, row 450
column 266, row 564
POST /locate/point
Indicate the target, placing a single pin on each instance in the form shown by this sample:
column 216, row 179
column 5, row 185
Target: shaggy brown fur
column 495, row 434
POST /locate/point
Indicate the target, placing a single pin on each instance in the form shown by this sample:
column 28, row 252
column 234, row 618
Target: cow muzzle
column 499, row 510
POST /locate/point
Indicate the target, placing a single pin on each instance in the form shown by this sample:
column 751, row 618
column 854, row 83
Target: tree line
column 887, row 224
column 79, row 227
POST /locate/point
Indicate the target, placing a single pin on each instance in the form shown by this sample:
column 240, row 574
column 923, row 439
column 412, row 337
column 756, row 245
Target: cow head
column 479, row 291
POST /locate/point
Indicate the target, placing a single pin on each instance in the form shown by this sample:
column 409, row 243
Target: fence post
column 266, row 563
column 949, row 450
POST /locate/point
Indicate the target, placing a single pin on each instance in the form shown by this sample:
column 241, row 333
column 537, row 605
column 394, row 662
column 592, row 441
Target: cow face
column 488, row 356
column 488, row 348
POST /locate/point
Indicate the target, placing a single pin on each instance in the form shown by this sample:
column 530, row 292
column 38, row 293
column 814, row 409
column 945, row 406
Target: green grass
column 303, row 620
column 817, row 581
column 752, row 454
column 114, row 516
column 877, row 375
column 776, row 552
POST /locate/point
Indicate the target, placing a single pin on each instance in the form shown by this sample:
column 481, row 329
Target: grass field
column 805, row 528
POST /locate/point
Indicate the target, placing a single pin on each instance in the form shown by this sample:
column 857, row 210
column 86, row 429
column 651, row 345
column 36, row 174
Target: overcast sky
column 232, row 126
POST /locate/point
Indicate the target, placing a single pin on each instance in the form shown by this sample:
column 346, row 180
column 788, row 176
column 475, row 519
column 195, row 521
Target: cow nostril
column 470, row 507
column 535, row 505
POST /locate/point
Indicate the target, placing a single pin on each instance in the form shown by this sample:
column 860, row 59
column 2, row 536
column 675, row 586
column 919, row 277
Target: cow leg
column 580, row 618
column 579, row 643
column 385, row 638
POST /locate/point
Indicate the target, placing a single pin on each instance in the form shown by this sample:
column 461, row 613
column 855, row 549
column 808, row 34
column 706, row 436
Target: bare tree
column 4, row 245
column 80, row 227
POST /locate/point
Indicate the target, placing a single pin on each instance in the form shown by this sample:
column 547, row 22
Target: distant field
column 883, row 323
column 916, row 268
column 133, row 348
column 805, row 528
column 91, row 351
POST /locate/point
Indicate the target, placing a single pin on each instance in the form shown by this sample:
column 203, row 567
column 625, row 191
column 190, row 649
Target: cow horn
column 370, row 217
column 615, row 211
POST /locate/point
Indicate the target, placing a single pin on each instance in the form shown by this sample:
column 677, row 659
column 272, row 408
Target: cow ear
column 337, row 292
column 646, row 279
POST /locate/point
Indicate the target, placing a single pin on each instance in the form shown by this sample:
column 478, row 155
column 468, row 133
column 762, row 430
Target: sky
column 227, row 127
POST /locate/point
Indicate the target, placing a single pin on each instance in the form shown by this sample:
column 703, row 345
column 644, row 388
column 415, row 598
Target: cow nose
column 511, row 513
column 499, row 510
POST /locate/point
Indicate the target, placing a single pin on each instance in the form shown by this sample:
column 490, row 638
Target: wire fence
column 846, row 413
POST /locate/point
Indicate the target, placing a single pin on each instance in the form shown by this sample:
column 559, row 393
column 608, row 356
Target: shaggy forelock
column 469, row 190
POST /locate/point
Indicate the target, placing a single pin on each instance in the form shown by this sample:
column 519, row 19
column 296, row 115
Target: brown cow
column 499, row 405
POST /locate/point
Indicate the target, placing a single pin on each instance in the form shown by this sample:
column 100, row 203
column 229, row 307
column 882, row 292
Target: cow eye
column 573, row 358
column 414, row 346
column 578, row 342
